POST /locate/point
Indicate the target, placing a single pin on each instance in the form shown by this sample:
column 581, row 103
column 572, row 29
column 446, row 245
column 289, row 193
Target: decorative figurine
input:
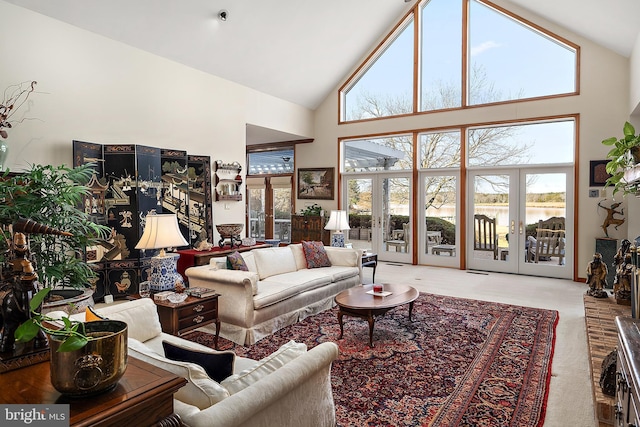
column 15, row 295
column 610, row 220
column 597, row 277
column 624, row 273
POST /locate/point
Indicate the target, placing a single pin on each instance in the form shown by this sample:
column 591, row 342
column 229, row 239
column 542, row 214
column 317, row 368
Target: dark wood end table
column 142, row 397
column 370, row 260
column 180, row 318
column 358, row 303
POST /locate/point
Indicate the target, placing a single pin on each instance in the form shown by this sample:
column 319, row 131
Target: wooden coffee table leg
column 371, row 321
column 340, row 322
column 410, row 310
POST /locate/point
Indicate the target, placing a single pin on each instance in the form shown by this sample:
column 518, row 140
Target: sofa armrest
column 236, row 288
column 300, row 390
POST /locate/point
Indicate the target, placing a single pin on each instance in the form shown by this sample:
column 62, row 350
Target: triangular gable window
column 506, row 59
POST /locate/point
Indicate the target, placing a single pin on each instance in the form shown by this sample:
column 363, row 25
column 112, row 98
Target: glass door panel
column 438, row 242
column 547, row 243
column 359, row 207
column 256, row 213
column 489, row 242
column 395, row 196
column 282, row 214
column 379, row 208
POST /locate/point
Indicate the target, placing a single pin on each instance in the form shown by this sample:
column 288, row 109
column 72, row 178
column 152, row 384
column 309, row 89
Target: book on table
column 200, row 292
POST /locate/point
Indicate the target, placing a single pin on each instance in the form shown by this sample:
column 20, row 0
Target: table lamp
column 338, row 221
column 162, row 231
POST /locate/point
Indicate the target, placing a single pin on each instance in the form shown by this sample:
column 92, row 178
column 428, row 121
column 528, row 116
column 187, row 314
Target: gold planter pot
column 95, row 368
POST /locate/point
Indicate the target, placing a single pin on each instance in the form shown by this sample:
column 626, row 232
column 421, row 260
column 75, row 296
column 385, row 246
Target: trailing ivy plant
column 52, row 195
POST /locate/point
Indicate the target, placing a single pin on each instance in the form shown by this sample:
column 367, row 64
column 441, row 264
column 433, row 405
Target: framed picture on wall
column 597, row 173
column 315, row 183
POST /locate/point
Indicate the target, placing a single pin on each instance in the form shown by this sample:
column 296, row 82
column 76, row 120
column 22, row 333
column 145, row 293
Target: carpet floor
column 459, row 362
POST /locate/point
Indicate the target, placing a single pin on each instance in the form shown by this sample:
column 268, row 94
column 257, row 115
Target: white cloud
column 484, row 46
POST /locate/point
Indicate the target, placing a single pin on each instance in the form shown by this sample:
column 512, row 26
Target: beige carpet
column 570, row 395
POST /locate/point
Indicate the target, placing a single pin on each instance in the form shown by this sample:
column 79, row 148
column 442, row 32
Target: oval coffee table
column 358, row 303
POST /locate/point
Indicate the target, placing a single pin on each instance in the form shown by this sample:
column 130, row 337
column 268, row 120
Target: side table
column 370, row 260
column 180, row 318
column 143, row 396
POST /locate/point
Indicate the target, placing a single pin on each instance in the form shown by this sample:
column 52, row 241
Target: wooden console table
column 143, row 396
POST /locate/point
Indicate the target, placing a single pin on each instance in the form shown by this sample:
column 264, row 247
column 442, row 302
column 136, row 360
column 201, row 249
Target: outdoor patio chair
column 549, row 241
column 485, row 236
column 402, row 243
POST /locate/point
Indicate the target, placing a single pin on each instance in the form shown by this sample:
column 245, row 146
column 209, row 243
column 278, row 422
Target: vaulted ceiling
column 296, row 50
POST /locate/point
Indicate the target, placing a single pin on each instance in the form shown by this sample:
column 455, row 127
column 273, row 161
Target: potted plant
column 86, row 357
column 624, row 154
column 51, row 195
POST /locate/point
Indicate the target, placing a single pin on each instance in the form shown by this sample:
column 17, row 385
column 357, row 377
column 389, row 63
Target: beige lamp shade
column 161, row 231
column 338, row 221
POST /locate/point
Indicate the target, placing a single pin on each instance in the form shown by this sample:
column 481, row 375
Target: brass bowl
column 95, row 368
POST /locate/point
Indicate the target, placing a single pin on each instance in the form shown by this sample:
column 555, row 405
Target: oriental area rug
column 458, row 363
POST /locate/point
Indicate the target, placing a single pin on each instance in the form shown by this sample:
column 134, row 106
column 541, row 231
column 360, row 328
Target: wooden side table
column 192, row 313
column 143, row 396
column 370, row 260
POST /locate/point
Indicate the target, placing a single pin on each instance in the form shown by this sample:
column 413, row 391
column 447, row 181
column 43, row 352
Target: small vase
column 4, row 153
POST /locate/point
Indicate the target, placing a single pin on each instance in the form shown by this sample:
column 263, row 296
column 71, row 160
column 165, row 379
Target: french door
column 379, row 208
column 269, row 206
column 505, row 207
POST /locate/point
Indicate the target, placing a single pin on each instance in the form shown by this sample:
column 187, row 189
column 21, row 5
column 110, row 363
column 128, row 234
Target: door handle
column 379, row 222
column 513, row 226
column 521, row 227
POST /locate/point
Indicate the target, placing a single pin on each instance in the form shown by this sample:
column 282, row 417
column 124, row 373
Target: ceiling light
column 223, row 15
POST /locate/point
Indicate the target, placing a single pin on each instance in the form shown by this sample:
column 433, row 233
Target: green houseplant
column 625, row 152
column 51, row 195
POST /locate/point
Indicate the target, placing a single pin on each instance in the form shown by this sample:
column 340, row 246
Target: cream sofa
column 278, row 290
column 282, row 389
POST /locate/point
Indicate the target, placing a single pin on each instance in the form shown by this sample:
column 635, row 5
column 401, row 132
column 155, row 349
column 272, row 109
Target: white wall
column 603, row 105
column 94, row 89
column 634, row 87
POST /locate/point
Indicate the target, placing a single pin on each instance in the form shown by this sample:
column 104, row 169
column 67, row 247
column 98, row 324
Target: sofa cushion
column 250, row 261
column 298, row 255
column 315, row 254
column 272, row 261
column 278, row 288
column 236, row 262
column 141, row 317
column 264, row 367
column 200, row 390
column 218, row 365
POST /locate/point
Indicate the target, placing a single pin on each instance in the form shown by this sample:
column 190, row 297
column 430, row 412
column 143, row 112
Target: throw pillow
column 315, row 254
column 217, row 365
column 236, row 262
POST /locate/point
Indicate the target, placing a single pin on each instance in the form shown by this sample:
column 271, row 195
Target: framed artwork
column 597, row 173
column 316, row 183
